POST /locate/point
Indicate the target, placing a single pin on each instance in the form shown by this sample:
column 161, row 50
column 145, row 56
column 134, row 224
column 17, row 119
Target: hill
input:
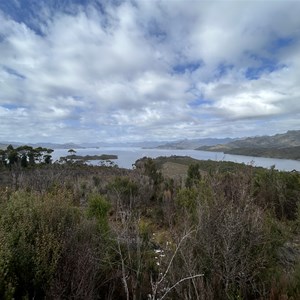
column 4, row 144
column 286, row 145
column 194, row 143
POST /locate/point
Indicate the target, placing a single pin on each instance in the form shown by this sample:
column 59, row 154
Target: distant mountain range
column 151, row 144
column 144, row 144
column 45, row 145
column 194, row 143
column 286, row 145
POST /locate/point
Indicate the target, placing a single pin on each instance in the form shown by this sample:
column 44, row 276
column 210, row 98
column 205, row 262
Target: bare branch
column 156, row 284
column 173, row 256
column 180, row 281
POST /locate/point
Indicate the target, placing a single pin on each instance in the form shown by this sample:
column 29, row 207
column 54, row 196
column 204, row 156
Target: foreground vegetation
column 217, row 230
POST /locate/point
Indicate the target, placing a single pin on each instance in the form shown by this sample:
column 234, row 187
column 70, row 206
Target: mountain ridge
column 194, row 143
column 281, row 145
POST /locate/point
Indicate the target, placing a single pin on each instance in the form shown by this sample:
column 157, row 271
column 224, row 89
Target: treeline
column 24, row 156
column 85, row 232
column 272, row 152
column 286, row 153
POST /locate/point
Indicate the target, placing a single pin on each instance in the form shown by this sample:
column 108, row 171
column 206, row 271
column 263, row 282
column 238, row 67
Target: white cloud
column 116, row 72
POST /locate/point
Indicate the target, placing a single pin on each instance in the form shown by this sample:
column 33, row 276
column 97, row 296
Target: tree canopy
column 24, row 156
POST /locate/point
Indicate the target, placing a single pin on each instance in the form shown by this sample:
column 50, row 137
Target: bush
column 34, row 232
column 98, row 207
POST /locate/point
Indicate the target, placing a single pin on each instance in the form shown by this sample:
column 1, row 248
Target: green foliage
column 3, row 155
column 32, row 231
column 25, row 156
column 99, row 208
column 124, row 186
column 122, row 192
column 6, row 288
column 193, row 175
column 24, row 162
column 279, row 191
column 152, row 171
column 294, row 284
column 96, row 181
column 47, row 159
column 71, row 151
column 57, row 240
column 187, row 199
column 145, row 229
column 286, row 152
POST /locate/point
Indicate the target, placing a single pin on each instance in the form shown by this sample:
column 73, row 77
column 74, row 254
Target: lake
column 128, row 156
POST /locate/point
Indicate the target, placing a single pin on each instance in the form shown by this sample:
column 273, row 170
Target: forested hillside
column 172, row 228
column 284, row 145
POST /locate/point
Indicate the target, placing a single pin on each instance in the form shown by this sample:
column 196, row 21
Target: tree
column 71, row 151
column 193, row 175
column 124, row 191
column 152, row 171
column 24, row 162
column 23, row 152
column 47, row 159
column 3, row 157
column 12, row 156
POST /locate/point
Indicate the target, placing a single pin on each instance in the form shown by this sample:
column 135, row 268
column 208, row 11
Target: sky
column 126, row 71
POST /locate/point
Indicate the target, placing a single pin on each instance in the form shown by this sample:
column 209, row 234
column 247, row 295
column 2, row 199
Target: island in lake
column 90, row 157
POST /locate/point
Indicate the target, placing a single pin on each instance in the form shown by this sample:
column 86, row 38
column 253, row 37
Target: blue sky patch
column 75, row 123
column 10, row 106
column 281, row 43
column 154, row 30
column 264, row 65
column 199, row 102
column 187, row 67
column 29, row 11
column 222, row 70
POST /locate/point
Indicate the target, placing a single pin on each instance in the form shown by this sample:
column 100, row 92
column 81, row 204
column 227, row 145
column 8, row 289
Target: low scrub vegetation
column 221, row 231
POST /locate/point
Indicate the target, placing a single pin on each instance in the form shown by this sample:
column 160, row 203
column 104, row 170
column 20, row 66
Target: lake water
column 128, row 156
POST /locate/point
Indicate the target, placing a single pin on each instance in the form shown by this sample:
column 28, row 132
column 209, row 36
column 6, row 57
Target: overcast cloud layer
column 88, row 71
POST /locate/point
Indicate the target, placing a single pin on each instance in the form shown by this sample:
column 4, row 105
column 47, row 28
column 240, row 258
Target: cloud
column 160, row 70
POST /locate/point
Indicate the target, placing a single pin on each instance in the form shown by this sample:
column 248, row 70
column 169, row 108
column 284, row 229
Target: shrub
column 98, row 207
column 33, row 230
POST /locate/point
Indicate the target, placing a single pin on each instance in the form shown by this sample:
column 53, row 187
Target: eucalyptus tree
column 24, row 156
